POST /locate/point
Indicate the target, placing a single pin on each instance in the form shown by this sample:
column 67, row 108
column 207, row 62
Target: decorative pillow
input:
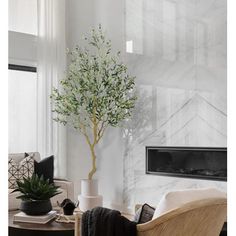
column 18, row 171
column 177, row 199
column 45, row 167
column 144, row 214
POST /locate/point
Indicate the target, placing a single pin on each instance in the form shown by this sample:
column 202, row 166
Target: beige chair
column 198, row 218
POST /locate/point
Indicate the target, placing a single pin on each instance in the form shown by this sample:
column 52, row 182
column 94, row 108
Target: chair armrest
column 78, row 217
column 66, row 185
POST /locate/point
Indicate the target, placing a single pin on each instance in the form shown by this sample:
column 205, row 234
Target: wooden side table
column 52, row 228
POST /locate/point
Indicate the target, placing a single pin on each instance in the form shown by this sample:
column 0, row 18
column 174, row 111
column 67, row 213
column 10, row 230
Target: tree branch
column 95, row 127
column 101, row 128
column 84, row 132
column 101, row 133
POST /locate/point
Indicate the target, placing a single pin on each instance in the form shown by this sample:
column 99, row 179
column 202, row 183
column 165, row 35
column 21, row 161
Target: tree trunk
column 94, row 168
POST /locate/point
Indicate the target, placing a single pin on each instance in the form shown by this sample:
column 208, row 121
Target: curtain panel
column 51, row 68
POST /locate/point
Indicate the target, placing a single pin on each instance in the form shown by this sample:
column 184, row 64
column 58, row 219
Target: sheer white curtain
column 51, row 67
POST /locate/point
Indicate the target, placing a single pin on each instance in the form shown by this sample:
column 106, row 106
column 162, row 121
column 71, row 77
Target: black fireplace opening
column 191, row 162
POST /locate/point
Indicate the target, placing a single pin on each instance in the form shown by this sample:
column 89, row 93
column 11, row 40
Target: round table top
column 50, row 226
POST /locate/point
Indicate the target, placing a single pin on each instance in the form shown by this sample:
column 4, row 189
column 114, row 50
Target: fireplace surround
column 188, row 162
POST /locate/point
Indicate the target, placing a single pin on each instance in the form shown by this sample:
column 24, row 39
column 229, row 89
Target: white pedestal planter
column 89, row 197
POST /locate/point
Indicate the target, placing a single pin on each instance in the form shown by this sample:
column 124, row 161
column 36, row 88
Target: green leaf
column 36, row 188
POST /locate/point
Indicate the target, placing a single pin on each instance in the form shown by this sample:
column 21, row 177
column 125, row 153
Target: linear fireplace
column 190, row 162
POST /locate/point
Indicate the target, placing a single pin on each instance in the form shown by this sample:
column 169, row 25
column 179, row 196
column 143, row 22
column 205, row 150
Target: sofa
column 66, row 187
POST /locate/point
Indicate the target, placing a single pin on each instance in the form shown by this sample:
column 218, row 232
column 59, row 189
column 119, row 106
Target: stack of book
column 43, row 219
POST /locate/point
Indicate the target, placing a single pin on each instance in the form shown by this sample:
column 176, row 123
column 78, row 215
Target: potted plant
column 35, row 195
column 96, row 93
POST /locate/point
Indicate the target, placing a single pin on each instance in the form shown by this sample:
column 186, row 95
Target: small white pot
column 89, row 197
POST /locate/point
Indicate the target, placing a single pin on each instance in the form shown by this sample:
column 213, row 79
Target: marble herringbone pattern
column 179, row 58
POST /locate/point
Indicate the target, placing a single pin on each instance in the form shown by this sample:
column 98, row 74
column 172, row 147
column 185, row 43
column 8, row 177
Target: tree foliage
column 97, row 92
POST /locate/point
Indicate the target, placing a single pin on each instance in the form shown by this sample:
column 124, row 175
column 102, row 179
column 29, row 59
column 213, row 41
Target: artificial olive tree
column 97, row 91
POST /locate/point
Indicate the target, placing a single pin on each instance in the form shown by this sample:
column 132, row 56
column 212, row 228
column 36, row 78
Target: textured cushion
column 18, row 171
column 144, row 214
column 177, row 199
column 67, row 185
column 18, row 157
column 45, row 167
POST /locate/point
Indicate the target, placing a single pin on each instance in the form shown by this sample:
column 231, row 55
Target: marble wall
column 177, row 50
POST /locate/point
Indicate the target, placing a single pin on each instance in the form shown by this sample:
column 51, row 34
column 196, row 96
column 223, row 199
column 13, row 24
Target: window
column 23, row 16
column 22, row 110
column 22, row 32
column 22, row 79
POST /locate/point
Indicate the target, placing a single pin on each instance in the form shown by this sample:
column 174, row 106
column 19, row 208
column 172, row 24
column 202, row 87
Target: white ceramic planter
column 89, row 187
column 89, row 197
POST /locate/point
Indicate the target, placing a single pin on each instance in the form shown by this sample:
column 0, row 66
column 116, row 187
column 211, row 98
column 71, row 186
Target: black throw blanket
column 106, row 222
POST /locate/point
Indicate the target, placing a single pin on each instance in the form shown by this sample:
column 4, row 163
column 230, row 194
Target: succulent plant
column 36, row 188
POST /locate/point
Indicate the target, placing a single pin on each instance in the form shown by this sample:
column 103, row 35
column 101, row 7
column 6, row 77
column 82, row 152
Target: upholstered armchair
column 197, row 218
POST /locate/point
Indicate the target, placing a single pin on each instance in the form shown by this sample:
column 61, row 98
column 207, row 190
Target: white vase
column 89, row 197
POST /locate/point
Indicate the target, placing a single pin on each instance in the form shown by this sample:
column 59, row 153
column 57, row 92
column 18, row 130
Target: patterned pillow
column 16, row 171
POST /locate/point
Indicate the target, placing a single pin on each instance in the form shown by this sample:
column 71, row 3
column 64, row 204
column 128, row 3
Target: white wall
column 81, row 17
column 180, row 64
